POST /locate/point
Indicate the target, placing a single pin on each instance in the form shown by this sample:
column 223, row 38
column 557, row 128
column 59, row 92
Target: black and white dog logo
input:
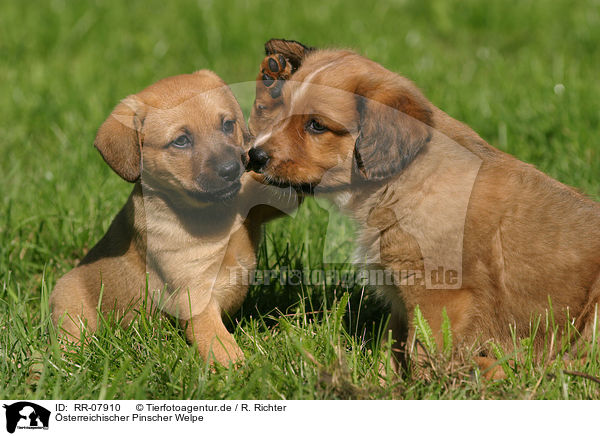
column 26, row 415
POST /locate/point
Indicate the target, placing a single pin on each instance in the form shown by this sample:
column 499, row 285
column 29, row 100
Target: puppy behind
column 185, row 225
column 428, row 193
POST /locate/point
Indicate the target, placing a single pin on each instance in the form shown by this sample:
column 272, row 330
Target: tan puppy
column 186, row 223
column 461, row 225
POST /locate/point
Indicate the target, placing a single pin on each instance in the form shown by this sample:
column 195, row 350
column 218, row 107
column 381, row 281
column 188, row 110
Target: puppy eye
column 182, row 141
column 314, row 126
column 228, row 126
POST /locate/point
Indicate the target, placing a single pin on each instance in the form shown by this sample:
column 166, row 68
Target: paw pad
column 275, row 69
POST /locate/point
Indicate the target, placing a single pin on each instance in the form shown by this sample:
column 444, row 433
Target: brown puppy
column 185, row 227
column 460, row 225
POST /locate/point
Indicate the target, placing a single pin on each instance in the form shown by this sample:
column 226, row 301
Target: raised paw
column 274, row 70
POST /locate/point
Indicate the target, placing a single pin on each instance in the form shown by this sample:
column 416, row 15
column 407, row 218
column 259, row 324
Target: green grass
column 524, row 74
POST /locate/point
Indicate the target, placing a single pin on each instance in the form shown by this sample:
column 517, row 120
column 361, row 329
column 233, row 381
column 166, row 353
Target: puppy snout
column 229, row 171
column 257, row 159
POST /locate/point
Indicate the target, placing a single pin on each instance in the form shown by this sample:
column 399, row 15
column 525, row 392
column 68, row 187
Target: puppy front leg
column 214, row 342
column 72, row 309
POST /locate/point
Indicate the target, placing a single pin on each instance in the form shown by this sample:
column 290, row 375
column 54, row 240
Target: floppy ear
column 294, row 51
column 119, row 139
column 393, row 129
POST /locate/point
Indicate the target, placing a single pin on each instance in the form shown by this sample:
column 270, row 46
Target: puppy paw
column 274, row 70
column 490, row 368
column 225, row 354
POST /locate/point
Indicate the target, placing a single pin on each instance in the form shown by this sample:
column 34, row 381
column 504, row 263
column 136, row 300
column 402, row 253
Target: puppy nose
column 258, row 159
column 230, row 171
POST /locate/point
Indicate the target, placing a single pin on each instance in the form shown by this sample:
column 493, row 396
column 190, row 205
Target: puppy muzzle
column 257, row 160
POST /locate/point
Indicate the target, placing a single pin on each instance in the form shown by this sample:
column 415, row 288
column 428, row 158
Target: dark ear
column 293, row 51
column 119, row 139
column 390, row 135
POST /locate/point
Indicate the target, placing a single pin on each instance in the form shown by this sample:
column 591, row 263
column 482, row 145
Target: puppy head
column 181, row 135
column 344, row 119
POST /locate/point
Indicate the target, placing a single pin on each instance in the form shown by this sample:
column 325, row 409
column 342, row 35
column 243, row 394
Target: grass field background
column 524, row 74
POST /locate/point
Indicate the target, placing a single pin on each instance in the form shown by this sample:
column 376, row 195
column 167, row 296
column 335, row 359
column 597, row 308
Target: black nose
column 230, row 171
column 258, row 159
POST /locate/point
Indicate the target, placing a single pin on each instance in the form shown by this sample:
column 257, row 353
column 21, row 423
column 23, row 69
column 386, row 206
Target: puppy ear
column 393, row 129
column 294, row 51
column 119, row 139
